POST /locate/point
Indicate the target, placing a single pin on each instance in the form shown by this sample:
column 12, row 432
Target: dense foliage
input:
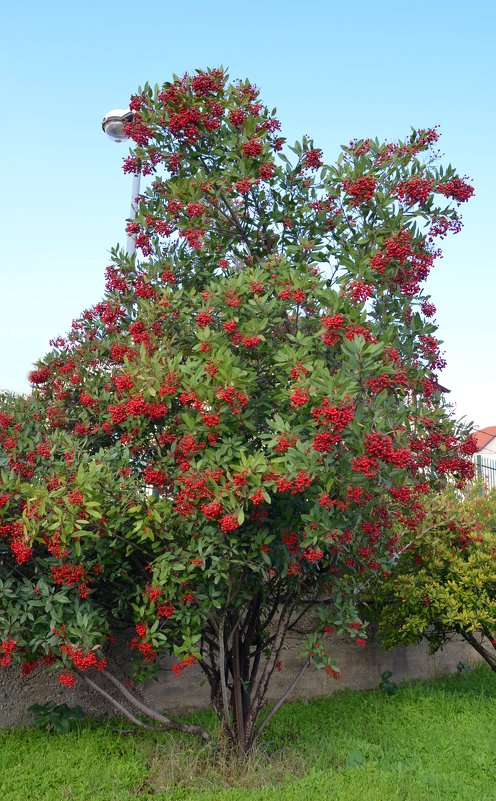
column 444, row 584
column 229, row 438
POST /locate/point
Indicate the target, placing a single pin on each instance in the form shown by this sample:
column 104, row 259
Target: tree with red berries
column 227, row 442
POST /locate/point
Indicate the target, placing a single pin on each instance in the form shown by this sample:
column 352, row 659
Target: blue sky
column 335, row 71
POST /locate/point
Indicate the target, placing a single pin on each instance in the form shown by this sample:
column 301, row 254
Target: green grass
column 427, row 742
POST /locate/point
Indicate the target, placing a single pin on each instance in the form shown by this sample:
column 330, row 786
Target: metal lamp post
column 113, row 125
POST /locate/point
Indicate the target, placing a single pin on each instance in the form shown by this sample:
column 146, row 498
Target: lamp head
column 113, row 123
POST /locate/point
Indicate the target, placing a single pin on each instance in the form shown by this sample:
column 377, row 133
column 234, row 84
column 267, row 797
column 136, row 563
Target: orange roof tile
column 484, row 436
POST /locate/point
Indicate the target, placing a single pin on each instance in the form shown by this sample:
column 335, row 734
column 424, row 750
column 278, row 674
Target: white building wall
column 489, row 450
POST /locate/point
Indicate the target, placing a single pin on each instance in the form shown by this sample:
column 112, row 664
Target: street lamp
column 113, row 125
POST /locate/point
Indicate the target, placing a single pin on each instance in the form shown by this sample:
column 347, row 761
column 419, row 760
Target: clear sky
column 335, row 71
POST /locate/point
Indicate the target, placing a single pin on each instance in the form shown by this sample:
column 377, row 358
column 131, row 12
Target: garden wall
column 361, row 668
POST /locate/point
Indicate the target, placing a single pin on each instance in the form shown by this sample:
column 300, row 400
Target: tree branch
column 282, row 699
column 168, row 723
column 222, row 673
column 477, row 646
column 122, row 709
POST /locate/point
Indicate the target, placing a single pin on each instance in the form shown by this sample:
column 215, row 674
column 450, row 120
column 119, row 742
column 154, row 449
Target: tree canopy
column 230, row 437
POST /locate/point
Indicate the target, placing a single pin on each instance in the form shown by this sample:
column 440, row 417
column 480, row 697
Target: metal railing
column 486, row 470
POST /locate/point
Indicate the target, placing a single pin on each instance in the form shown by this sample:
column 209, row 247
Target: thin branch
column 238, row 700
column 263, row 646
column 222, row 673
column 116, row 704
column 270, row 615
column 282, row 699
column 168, row 723
column 207, row 669
column 251, row 618
column 292, row 625
column 237, row 222
column 254, row 671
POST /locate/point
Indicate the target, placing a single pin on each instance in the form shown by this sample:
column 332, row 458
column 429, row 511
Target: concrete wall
column 361, row 668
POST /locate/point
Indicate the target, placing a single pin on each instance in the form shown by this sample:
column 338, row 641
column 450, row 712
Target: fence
column 486, row 470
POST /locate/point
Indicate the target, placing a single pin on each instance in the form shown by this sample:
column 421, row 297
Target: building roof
column 484, row 436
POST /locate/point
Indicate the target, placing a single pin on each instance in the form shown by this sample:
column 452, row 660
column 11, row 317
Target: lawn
column 429, row 741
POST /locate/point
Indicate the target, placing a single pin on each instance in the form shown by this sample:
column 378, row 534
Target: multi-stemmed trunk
column 239, row 663
column 240, row 651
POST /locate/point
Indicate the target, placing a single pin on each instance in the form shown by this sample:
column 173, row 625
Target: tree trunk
column 489, row 657
column 233, row 663
column 237, row 692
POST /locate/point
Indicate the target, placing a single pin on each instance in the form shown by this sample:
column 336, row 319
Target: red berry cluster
column 253, row 148
column 362, row 190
